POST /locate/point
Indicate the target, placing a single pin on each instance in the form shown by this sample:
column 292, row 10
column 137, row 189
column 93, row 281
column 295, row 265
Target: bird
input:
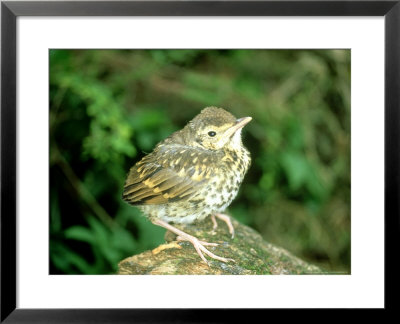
column 192, row 174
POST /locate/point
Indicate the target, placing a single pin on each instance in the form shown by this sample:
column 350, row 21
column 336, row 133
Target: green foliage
column 110, row 107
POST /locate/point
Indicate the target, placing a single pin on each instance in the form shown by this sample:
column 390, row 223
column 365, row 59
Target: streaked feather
column 160, row 177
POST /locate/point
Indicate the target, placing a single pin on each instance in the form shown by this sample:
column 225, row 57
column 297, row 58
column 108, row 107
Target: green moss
column 252, row 255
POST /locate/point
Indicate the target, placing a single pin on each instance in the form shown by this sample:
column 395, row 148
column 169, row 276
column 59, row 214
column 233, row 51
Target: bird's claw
column 200, row 249
column 197, row 244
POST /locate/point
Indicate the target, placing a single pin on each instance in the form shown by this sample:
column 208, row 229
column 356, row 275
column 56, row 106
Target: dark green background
column 110, row 107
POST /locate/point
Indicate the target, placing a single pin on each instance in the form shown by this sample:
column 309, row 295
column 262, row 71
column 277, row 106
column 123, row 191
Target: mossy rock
column 252, row 255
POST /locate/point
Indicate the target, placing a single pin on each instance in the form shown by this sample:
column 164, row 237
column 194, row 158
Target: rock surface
column 252, row 255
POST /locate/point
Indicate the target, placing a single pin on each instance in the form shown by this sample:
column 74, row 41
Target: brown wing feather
column 166, row 175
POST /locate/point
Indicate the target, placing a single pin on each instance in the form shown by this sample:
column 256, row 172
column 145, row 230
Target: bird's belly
column 212, row 198
column 179, row 212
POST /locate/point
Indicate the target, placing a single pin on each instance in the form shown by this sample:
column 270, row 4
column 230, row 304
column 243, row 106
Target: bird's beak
column 240, row 123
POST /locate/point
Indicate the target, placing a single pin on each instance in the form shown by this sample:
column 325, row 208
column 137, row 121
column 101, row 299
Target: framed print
column 285, row 114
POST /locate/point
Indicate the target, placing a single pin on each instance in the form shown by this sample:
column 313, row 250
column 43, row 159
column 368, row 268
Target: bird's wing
column 170, row 173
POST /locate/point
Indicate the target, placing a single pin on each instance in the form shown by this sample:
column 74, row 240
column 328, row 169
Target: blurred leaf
column 68, row 260
column 80, row 233
column 122, row 240
column 296, row 168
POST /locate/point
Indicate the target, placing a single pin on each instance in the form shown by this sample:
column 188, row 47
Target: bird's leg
column 214, row 221
column 224, row 218
column 198, row 245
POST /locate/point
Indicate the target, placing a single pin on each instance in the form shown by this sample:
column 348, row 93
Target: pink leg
column 198, row 245
column 227, row 220
column 214, row 221
column 180, row 238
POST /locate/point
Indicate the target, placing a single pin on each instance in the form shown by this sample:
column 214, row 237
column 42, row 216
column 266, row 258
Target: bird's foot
column 197, row 244
column 224, row 218
column 181, row 238
column 200, row 249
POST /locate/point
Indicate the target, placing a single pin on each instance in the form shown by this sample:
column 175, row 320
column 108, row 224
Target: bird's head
column 215, row 128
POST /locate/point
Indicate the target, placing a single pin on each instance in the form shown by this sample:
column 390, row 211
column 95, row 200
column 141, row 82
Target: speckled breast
column 223, row 189
column 216, row 195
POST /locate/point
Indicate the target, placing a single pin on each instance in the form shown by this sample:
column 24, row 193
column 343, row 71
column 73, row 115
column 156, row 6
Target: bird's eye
column 212, row 134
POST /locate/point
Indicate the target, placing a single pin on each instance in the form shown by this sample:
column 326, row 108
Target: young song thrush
column 194, row 173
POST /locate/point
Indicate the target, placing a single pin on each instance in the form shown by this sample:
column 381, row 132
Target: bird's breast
column 219, row 192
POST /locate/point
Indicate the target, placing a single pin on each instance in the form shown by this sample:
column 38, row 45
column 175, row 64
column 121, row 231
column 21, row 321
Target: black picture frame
column 11, row 10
